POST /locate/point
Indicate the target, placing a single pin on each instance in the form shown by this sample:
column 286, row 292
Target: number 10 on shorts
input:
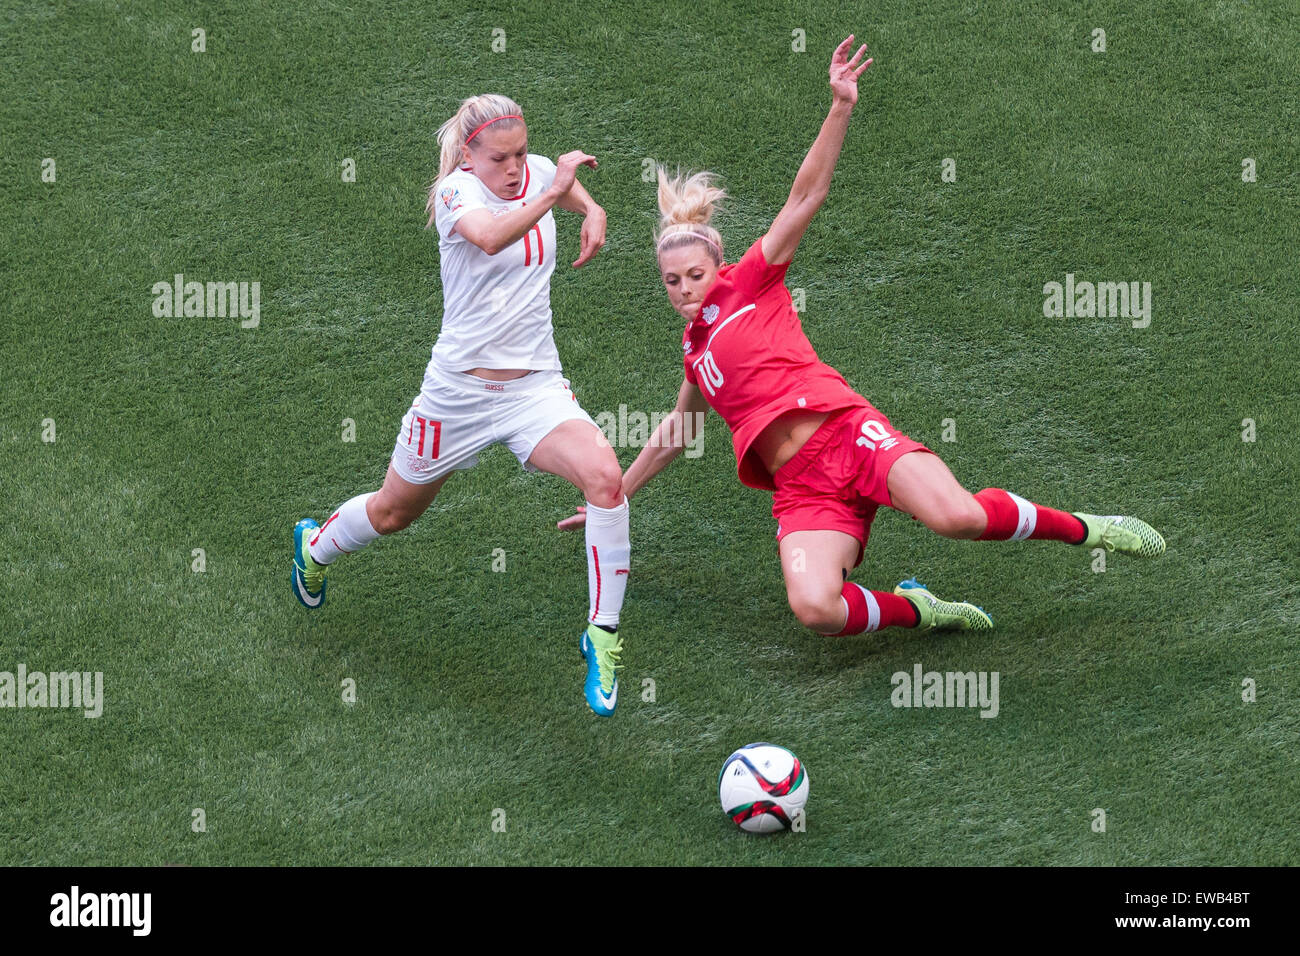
column 873, row 434
column 427, row 429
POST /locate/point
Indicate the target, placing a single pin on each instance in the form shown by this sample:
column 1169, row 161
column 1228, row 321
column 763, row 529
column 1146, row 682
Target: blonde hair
column 470, row 115
column 686, row 204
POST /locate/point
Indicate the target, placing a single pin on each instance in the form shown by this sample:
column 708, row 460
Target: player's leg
column 356, row 523
column 824, row 504
column 576, row 450
column 816, row 565
column 442, row 432
column 922, row 485
column 399, row 502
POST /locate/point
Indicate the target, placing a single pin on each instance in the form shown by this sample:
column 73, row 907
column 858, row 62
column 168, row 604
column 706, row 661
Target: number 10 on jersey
column 707, row 371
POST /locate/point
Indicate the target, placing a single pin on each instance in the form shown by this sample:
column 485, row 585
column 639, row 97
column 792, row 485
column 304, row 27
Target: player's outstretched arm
column 673, row 434
column 577, row 199
column 494, row 233
column 813, row 182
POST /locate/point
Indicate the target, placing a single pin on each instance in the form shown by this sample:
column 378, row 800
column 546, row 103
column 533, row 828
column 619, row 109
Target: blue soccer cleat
column 308, row 576
column 601, row 649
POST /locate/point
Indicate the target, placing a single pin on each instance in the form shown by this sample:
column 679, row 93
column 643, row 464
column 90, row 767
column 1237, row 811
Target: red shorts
column 837, row 479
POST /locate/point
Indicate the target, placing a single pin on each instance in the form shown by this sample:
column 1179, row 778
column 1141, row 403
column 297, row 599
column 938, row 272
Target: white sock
column 609, row 553
column 347, row 530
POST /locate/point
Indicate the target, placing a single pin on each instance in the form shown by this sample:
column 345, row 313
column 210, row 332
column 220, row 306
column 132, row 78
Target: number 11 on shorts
column 428, row 428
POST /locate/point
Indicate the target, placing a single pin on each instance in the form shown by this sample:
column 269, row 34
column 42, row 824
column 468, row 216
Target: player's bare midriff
column 499, row 374
column 785, row 435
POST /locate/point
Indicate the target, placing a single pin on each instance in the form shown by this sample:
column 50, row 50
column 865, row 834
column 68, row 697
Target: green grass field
column 1119, row 690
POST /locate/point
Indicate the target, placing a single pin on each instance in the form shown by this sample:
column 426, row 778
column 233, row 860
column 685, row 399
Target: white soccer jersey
column 496, row 309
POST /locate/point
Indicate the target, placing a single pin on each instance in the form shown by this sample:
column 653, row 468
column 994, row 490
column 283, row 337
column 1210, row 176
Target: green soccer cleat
column 308, row 576
column 957, row 615
column 1123, row 534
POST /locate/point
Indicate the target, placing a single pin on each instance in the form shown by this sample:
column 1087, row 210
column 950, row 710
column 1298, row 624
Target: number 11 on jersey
column 528, row 246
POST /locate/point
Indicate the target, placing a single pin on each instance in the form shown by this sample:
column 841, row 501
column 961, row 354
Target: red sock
column 872, row 610
column 1012, row 518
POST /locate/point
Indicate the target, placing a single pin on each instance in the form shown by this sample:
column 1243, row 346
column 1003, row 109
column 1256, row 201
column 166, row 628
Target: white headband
column 687, row 232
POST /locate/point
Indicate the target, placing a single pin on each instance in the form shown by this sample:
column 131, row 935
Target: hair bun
column 687, row 200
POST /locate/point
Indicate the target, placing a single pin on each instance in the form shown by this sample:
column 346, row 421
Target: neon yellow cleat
column 1123, row 534
column 934, row 613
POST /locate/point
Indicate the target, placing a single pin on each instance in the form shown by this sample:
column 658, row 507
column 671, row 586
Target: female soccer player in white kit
column 494, row 375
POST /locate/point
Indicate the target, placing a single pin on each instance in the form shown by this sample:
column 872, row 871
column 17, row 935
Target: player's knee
column 958, row 517
column 604, row 484
column 387, row 518
column 817, row 611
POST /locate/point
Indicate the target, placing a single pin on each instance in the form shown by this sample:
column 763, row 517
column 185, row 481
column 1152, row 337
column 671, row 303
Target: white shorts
column 457, row 415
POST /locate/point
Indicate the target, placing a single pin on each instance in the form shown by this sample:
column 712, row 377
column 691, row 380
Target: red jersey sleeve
column 754, row 273
column 686, row 348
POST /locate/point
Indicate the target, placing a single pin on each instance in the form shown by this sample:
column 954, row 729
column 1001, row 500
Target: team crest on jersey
column 450, row 198
column 710, row 314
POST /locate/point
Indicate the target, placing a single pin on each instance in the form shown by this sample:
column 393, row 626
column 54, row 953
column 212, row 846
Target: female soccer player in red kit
column 799, row 430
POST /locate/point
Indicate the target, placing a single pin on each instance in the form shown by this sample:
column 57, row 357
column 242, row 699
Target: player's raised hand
column 593, row 236
column 566, row 169
column 845, row 72
column 575, row 522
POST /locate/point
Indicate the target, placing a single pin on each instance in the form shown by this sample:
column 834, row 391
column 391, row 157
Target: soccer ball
column 763, row 788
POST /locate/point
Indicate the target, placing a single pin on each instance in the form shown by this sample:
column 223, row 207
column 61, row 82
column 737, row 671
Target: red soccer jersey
column 747, row 352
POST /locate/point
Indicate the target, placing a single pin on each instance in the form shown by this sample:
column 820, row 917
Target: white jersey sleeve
column 545, row 169
column 456, row 195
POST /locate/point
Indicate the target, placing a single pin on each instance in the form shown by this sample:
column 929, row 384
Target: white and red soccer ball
column 763, row 788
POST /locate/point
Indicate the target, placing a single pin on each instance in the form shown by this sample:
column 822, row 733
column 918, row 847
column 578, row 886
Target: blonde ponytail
column 686, row 204
column 470, row 115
